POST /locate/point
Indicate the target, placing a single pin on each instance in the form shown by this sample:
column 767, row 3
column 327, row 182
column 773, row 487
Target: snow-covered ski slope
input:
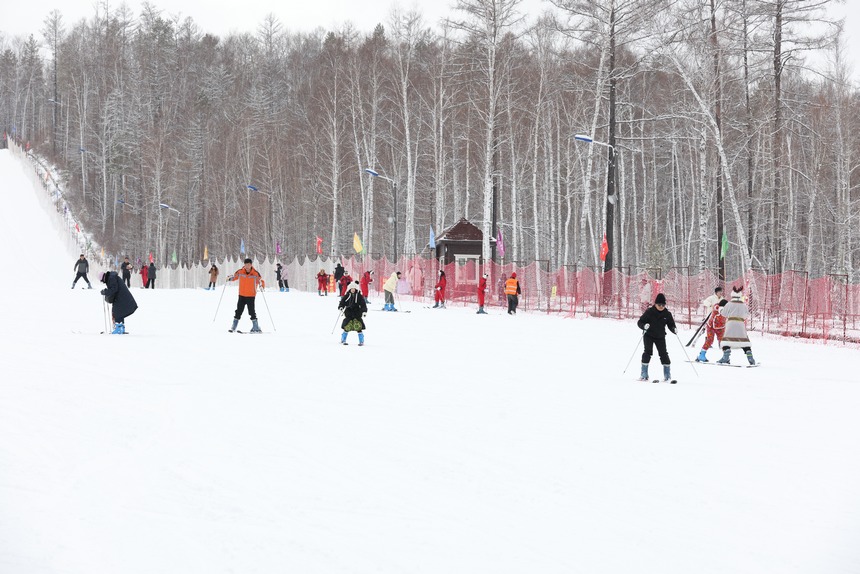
column 450, row 443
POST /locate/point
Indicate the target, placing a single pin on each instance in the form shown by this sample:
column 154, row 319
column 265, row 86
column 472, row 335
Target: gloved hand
column 437, row 288
column 674, row 331
column 103, row 291
column 646, row 327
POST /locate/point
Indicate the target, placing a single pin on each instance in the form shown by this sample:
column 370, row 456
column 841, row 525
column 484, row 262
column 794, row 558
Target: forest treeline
column 732, row 119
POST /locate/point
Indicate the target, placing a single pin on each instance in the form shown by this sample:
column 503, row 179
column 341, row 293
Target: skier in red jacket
column 482, row 293
column 366, row 280
column 440, row 291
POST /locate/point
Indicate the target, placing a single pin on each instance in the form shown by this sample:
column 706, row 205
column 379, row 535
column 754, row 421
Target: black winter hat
column 660, row 299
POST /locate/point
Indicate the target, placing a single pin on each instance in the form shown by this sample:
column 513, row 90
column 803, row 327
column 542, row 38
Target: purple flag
column 500, row 244
column 278, row 248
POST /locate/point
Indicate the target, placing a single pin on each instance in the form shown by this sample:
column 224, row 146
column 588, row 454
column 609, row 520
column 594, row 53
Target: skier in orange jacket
column 248, row 278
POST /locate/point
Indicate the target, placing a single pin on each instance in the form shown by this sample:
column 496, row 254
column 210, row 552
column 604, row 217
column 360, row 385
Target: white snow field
column 450, row 443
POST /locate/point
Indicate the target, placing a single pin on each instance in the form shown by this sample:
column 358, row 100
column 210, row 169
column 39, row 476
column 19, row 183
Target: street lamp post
column 394, row 192
column 611, row 197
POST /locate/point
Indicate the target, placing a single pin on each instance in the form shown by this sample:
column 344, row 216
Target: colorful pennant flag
column 242, row 247
column 278, row 248
column 356, row 243
column 500, row 244
column 173, row 257
column 319, row 244
column 604, row 249
column 725, row 246
column 205, row 253
column 151, row 260
column 77, row 228
column 432, row 243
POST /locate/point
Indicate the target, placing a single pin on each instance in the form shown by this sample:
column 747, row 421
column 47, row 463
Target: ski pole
column 698, row 331
column 105, row 312
column 685, row 354
column 219, row 302
column 339, row 313
column 263, row 292
column 634, row 351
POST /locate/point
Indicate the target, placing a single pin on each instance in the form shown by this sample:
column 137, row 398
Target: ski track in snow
column 450, row 443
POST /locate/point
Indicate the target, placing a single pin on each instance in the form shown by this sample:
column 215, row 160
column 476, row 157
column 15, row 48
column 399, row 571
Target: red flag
column 604, row 249
column 150, row 257
column 77, row 228
column 319, row 244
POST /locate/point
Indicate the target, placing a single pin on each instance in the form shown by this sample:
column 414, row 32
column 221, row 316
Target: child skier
column 322, row 283
column 482, row 294
column 654, row 322
column 354, row 308
column 248, row 278
column 440, row 291
column 366, row 280
column 715, row 327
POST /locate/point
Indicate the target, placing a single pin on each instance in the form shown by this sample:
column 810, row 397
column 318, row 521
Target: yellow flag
column 205, row 252
column 103, row 252
column 356, row 244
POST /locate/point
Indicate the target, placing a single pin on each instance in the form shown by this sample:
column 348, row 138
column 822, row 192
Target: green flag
column 725, row 247
column 173, row 258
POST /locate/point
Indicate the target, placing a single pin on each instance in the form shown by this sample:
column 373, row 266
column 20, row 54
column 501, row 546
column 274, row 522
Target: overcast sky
column 23, row 17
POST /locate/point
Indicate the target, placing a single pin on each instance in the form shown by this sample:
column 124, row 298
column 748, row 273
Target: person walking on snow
column 248, row 278
column 366, row 280
column 338, row 273
column 281, row 276
column 512, row 290
column 144, row 275
column 213, row 276
column 654, row 322
column 736, row 337
column 345, row 280
column 354, row 308
column 126, row 272
column 322, row 283
column 440, row 291
column 482, row 294
column 714, row 327
column 82, row 267
column 150, row 283
column 121, row 300
column 389, row 288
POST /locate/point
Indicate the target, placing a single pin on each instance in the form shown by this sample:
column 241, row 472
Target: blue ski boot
column 726, row 360
column 750, row 358
column 343, row 338
column 361, row 339
column 235, row 326
column 667, row 373
column 643, row 376
column 118, row 329
column 702, row 358
column 255, row 327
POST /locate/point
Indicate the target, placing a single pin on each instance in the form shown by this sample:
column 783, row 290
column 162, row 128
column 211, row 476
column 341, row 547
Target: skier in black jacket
column 654, row 322
column 121, row 299
column 354, row 308
column 82, row 267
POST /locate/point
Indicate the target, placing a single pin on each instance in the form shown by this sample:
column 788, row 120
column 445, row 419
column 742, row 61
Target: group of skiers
column 148, row 273
column 725, row 322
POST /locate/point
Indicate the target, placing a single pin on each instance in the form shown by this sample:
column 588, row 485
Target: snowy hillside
column 450, row 443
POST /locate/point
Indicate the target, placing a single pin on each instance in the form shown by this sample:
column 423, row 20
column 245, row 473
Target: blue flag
column 242, row 247
column 432, row 243
column 252, row 188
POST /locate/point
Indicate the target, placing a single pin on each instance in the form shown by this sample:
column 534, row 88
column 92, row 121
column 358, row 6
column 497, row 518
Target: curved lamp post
column 393, row 183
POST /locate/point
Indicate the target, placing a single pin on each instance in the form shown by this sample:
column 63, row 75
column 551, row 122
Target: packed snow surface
column 451, row 443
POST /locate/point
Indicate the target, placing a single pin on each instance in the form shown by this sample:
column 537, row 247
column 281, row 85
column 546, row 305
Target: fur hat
column 660, row 299
column 737, row 293
column 354, row 285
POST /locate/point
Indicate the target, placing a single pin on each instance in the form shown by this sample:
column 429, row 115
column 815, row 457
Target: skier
column 366, row 280
column 338, row 273
column 345, row 280
column 150, row 283
column 512, row 290
column 122, row 302
column 654, row 323
column 281, row 275
column 82, row 267
column 736, row 313
column 354, row 308
column 144, row 275
column 715, row 327
column 388, row 288
column 126, row 272
column 440, row 291
column 213, row 276
column 711, row 300
column 482, row 293
column 248, row 278
column 322, row 283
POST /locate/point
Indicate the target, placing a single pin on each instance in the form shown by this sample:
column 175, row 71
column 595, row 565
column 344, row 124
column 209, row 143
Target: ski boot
column 343, row 338
column 750, row 358
column 643, row 376
column 442, row 305
column 255, row 327
column 436, row 306
column 118, row 329
column 235, row 326
column 667, row 373
column 89, row 286
column 702, row 358
column 726, row 360
column 361, row 339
